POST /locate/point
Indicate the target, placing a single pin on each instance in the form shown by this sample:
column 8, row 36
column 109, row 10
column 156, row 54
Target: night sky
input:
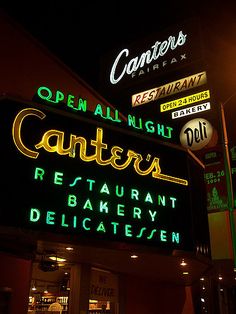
column 79, row 33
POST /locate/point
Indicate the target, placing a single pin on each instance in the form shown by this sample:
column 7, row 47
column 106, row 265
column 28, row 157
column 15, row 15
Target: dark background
column 80, row 32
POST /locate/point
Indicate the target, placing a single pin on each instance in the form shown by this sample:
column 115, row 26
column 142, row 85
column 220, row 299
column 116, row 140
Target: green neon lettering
column 70, row 101
column 63, row 219
column 114, row 224
column 50, row 219
column 75, row 181
column 72, row 200
column 151, row 234
column 175, row 237
column 98, row 111
column 163, row 235
column 169, row 132
column 173, row 200
column 137, row 212
column 128, row 231
column 121, row 192
column 41, row 91
column 148, row 198
column 120, row 210
column 149, row 126
column 34, row 214
column 82, row 104
column 88, row 205
column 91, row 182
column 152, row 214
column 58, row 178
column 105, row 189
column 59, row 96
column 160, row 129
column 101, row 227
column 84, row 223
column 103, row 207
column 116, row 115
column 132, row 122
column 74, row 222
column 39, row 173
column 134, row 194
column 141, row 232
column 161, row 200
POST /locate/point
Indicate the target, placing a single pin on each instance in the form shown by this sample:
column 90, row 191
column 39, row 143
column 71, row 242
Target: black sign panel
column 66, row 174
column 149, row 61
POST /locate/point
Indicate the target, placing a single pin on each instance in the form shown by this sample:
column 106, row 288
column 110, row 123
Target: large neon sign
column 159, row 49
column 70, row 175
column 80, row 105
column 116, row 152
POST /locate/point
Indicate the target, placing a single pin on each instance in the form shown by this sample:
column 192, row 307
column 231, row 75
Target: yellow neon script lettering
column 16, row 130
column 56, row 138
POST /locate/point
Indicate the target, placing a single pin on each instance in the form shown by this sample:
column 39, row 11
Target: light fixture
column 183, row 263
column 185, row 272
column 134, row 256
column 220, row 277
column 202, row 278
column 57, row 259
column 69, row 248
column 34, row 287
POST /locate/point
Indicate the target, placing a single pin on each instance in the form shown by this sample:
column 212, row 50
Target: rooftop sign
column 129, row 66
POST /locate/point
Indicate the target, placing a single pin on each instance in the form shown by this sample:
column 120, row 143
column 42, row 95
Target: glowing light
column 185, row 273
column 116, row 152
column 134, row 256
column 185, row 101
column 157, row 50
column 57, row 259
column 183, row 263
column 196, row 134
column 178, row 86
column 191, row 110
column 69, row 248
column 220, row 277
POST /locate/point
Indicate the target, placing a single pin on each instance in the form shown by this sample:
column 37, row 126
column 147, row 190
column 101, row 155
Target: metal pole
column 229, row 183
